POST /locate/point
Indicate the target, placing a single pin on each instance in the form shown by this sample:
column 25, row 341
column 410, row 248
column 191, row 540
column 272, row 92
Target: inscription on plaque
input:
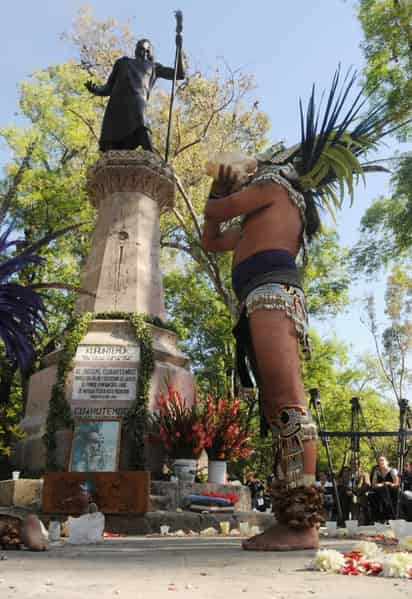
column 107, row 353
column 97, row 377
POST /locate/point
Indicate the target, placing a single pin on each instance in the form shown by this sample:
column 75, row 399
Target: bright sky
column 286, row 45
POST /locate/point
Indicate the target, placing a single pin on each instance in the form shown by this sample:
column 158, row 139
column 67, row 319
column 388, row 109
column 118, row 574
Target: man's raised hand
column 224, row 184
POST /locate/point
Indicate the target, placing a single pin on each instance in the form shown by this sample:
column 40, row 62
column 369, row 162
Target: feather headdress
column 334, row 140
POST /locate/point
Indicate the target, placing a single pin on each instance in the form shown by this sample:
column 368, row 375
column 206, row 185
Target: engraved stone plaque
column 104, row 376
column 102, row 383
column 108, row 353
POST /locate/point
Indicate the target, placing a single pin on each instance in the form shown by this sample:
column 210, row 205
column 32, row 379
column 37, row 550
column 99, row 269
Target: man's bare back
column 276, row 226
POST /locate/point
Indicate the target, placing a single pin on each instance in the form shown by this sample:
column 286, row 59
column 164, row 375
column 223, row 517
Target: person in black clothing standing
column 406, row 495
column 385, row 485
column 361, row 508
column 328, row 499
column 257, row 489
column 345, row 491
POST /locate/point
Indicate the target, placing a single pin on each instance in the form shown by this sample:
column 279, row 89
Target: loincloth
column 277, row 296
column 268, row 280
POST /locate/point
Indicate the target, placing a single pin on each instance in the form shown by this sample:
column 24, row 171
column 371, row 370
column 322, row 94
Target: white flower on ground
column 397, row 565
column 208, row 532
column 179, row 533
column 328, row 560
column 369, row 551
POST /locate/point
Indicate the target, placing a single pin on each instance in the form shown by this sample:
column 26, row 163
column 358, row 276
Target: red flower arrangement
column 223, row 427
column 214, row 425
column 356, row 564
column 178, row 425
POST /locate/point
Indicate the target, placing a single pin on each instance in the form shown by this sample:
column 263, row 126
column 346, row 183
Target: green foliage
column 59, row 415
column 99, row 43
column 10, row 410
column 338, row 381
column 204, row 326
column 48, row 191
column 43, row 191
column 388, row 51
column 394, row 343
column 137, row 416
column 326, row 278
column 386, row 226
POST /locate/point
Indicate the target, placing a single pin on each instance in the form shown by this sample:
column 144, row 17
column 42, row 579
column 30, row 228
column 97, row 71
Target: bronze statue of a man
column 125, row 125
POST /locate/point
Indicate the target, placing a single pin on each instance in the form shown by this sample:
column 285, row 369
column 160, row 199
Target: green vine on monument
column 136, row 418
column 59, row 416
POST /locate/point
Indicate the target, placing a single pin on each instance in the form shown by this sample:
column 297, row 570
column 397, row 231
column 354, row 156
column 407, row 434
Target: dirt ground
column 190, row 568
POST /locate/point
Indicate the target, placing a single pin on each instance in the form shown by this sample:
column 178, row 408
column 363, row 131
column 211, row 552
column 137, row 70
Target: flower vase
column 217, row 470
column 185, row 469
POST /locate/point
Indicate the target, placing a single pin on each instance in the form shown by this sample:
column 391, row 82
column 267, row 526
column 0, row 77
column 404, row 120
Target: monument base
column 21, row 493
column 113, row 492
column 113, row 337
column 150, row 523
column 173, row 494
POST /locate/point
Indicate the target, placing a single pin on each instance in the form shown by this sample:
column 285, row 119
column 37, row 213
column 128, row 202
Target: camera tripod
column 404, row 428
column 358, row 418
column 316, row 405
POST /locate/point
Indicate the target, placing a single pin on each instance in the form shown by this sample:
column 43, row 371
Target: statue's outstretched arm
column 168, row 72
column 103, row 90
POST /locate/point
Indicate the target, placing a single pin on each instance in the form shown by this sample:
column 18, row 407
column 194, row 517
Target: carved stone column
column 122, row 273
column 129, row 190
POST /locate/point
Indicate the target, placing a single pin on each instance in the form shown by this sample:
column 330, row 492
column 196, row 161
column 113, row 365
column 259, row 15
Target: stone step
column 24, row 493
column 150, row 523
column 159, row 502
column 177, row 491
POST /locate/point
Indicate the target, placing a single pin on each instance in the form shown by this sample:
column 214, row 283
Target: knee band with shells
column 296, row 500
column 291, row 428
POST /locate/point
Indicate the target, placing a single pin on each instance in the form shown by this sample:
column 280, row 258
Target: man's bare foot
column 282, row 538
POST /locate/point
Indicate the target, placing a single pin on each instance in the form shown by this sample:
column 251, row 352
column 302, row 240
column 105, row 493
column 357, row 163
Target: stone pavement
column 189, row 568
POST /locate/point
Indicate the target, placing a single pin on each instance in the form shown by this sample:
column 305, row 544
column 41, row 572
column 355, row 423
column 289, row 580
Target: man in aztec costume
column 277, row 205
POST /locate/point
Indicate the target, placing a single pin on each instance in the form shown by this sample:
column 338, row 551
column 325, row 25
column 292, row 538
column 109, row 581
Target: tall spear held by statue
column 179, row 29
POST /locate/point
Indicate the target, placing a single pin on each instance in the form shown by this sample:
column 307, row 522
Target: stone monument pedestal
column 21, row 493
column 114, row 492
column 122, row 275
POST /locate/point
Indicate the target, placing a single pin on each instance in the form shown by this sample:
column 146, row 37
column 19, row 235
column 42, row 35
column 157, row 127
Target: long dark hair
column 312, row 216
